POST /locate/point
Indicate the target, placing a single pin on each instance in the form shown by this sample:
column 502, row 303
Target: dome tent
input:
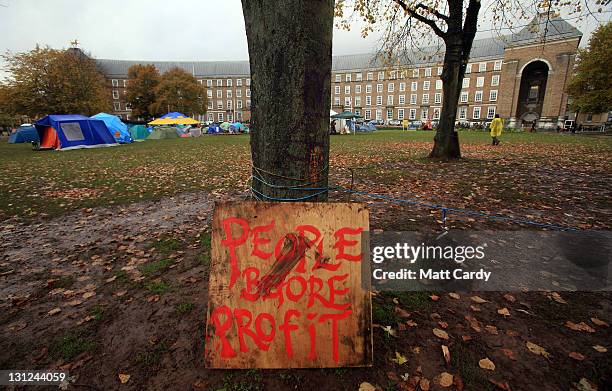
column 118, row 129
column 72, row 131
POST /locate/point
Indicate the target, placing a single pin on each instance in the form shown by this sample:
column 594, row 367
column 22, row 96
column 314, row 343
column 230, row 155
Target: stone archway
column 531, row 93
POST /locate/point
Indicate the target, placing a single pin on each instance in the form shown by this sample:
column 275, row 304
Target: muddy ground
column 106, row 292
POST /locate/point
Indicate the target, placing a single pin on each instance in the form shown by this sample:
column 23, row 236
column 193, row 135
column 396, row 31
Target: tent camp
column 24, row 134
column 163, row 132
column 118, row 129
column 139, row 132
column 63, row 132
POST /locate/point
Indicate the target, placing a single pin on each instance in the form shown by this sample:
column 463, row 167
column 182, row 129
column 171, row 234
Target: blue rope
column 298, row 187
column 288, row 199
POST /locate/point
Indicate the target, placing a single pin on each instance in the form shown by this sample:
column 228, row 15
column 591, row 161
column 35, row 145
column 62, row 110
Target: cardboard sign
column 285, row 286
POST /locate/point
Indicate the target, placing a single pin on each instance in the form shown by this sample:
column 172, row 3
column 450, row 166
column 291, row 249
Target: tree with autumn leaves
column 51, row 81
column 151, row 94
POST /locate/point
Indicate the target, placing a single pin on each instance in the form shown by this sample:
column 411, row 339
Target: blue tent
column 118, row 129
column 64, row 132
column 174, row 114
column 24, row 134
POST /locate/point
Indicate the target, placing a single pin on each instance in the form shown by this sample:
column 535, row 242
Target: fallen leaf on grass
column 576, row 356
column 424, row 384
column 17, row 326
column 503, row 311
column 466, row 338
column 399, row 359
column 85, row 319
column 440, row 333
column 434, row 297
column 500, row 384
column 599, row 322
column 509, row 353
column 585, row 385
column 446, row 354
column 537, row 349
column 485, row 363
column 390, row 330
column 557, row 297
column 402, row 313
column 120, row 293
column 74, row 303
column 454, row 295
column 509, row 298
column 411, row 323
column 365, row 386
column 475, row 308
column 442, row 324
column 444, row 379
column 478, row 299
column 111, row 279
column 124, row 378
column 154, row 298
column 579, row 326
column 54, row 311
column 87, row 295
column 600, row 348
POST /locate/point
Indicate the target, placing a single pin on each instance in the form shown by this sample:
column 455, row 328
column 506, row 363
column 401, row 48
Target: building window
column 495, row 80
column 425, row 99
column 337, row 101
column 436, row 113
column 413, row 86
column 238, row 93
column 358, row 89
column 424, row 114
column 412, row 114
column 413, row 99
column 369, row 89
column 402, row 99
column 219, row 105
column 426, row 84
column 381, row 75
column 462, row 112
column 338, row 78
column 211, row 117
column 347, row 101
column 476, row 113
column 125, row 82
column 379, row 88
column 228, row 93
column 238, row 82
column 248, row 82
column 248, row 93
column 357, row 111
column 209, row 93
column 438, row 98
column 464, row 97
column 115, row 83
column 115, row 94
column 478, row 96
column 440, row 69
column 210, row 105
column 220, row 117
column 427, row 72
column 229, row 82
column 415, row 72
column 347, row 77
column 230, row 117
column 248, row 104
column 491, row 112
column 468, row 68
column 228, row 104
column 391, row 87
column 389, row 100
column 219, row 83
column 347, row 89
column 378, row 114
column 400, row 114
column 117, row 106
column 389, row 114
column 209, row 83
column 493, row 95
column 370, row 76
column 402, row 87
column 359, row 77
column 219, row 94
column 393, row 75
column 466, row 82
column 379, row 100
column 368, row 100
column 358, row 101
column 480, row 81
column 438, row 84
column 497, row 65
column 482, row 67
column 337, row 90
column 402, row 74
column 367, row 114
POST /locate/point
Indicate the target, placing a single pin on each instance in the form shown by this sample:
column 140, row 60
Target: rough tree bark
column 290, row 54
column 458, row 40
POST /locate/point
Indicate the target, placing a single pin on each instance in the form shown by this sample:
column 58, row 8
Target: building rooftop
column 540, row 29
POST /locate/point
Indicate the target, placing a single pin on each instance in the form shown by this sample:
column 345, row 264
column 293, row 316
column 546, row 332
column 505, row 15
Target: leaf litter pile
column 105, row 257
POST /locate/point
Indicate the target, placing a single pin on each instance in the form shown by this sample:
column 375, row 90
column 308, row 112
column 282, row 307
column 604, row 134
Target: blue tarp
column 173, row 114
column 24, row 134
column 73, row 131
column 118, row 129
column 213, row 128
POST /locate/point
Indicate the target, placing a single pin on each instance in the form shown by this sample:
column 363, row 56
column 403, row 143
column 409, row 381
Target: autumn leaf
column 411, row 323
column 500, row 384
column 444, row 379
column 446, row 354
column 599, row 322
column 434, row 297
column 579, row 326
column 509, row 353
column 557, row 297
column 440, row 333
column 478, row 300
column 87, row 295
column 402, row 313
column 600, row 348
column 509, row 298
column 503, row 311
column 54, row 311
column 424, row 384
column 124, row 378
column 365, row 386
column 399, row 358
column 454, row 295
column 487, row 364
column 576, row 356
column 536, row 349
column 390, row 331
column 585, row 385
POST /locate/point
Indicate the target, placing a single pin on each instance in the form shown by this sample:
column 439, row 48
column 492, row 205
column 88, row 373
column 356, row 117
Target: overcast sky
column 152, row 29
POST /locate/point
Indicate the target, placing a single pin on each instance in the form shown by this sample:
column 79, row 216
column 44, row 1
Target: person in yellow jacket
column 496, row 129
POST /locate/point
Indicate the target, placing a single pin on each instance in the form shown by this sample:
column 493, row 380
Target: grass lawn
column 528, row 171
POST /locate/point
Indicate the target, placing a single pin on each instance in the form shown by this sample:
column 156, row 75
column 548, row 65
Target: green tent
column 139, row 132
column 346, row 115
column 163, row 132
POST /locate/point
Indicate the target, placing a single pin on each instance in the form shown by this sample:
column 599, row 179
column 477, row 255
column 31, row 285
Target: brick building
column 522, row 77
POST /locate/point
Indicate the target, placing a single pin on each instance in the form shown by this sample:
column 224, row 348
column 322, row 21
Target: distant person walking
column 496, row 129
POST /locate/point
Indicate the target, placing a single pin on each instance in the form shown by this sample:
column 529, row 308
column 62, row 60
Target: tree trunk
column 290, row 48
